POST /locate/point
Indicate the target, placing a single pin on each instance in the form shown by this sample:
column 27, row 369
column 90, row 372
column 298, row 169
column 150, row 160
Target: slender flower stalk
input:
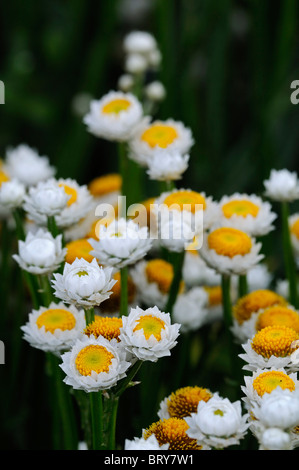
column 243, row 285
column 96, row 407
column 124, row 291
column 177, row 277
column 289, row 261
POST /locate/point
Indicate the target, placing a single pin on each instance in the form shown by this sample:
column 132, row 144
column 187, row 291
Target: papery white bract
column 282, row 185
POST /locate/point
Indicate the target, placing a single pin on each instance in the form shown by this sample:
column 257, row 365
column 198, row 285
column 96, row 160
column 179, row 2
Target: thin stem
column 19, row 224
column 243, row 285
column 124, row 291
column 123, row 384
column 226, row 301
column 112, row 422
column 289, row 261
column 177, row 277
column 52, row 226
column 89, row 315
column 46, row 291
column 96, row 407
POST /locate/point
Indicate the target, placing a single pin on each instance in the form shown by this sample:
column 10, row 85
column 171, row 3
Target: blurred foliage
column 227, row 68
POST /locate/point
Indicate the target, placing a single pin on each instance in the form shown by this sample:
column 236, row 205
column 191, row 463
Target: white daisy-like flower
column 40, row 252
column 83, row 283
column 125, row 82
column 166, row 166
column 190, row 309
column 121, row 243
column 197, row 272
column 148, row 334
column 27, row 166
column 155, row 91
column 114, row 117
column 139, row 42
column 272, row 346
column 12, row 194
column 230, row 251
column 282, row 185
column 248, row 213
column 294, row 233
column 135, row 63
column 54, row 328
column 266, row 380
column 183, row 402
column 94, row 364
column 275, row 439
column 149, row 136
column 46, row 200
column 259, row 277
column 139, row 443
column 279, row 409
column 218, row 423
column 153, row 279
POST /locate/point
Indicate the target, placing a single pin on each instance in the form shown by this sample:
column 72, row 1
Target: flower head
column 190, row 309
column 94, row 364
column 12, row 194
column 83, row 283
column 183, row 402
column 151, row 443
column 282, row 185
column 148, row 334
column 172, row 431
column 167, row 166
column 40, row 253
column 54, row 328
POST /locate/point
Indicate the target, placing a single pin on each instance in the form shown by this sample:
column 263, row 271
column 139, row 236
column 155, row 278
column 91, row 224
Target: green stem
column 177, row 277
column 96, row 407
column 124, row 383
column 289, row 261
column 19, row 224
column 114, row 401
column 226, row 301
column 52, row 226
column 124, row 291
column 89, row 315
column 243, row 285
column 45, row 289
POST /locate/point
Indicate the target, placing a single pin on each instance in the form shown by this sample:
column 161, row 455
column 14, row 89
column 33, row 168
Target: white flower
column 148, row 334
column 83, row 283
column 279, row 409
column 135, row 63
column 114, row 117
column 218, row 423
column 275, row 439
column 40, row 253
column 125, row 82
column 150, row 443
column 64, row 198
column 230, row 251
column 139, row 42
column 282, row 185
column 248, row 213
column 27, row 166
column 166, row 166
column 155, row 91
column 259, row 277
column 12, row 194
column 94, row 364
column 190, row 309
column 197, row 272
column 150, row 136
column 47, row 198
column 121, row 243
column 54, row 328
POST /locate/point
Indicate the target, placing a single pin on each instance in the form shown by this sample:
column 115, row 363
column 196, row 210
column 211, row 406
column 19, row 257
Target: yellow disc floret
column 150, row 325
column 108, row 327
column 93, row 358
column 56, row 318
column 78, row 249
column 172, row 431
column 160, row 135
column 3, row 177
column 185, row 200
column 70, row 191
column 268, row 381
column 160, row 272
column 184, row 401
column 116, row 106
column 214, row 295
column 254, row 301
column 229, row 242
column 295, row 228
column 105, row 184
column 274, row 341
column 240, row 207
column 278, row 315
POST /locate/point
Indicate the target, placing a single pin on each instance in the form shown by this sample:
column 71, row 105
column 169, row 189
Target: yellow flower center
column 186, row 200
column 229, row 242
column 160, row 135
column 172, row 431
column 150, row 325
column 295, row 228
column 275, row 341
column 93, row 358
column 3, row 177
column 82, row 273
column 185, row 400
column 78, row 249
column 278, row 315
column 268, row 381
column 160, row 272
column 105, row 184
column 215, row 295
column 109, row 327
column 116, row 106
column 56, row 318
column 241, row 207
column 70, row 192
column 254, row 301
